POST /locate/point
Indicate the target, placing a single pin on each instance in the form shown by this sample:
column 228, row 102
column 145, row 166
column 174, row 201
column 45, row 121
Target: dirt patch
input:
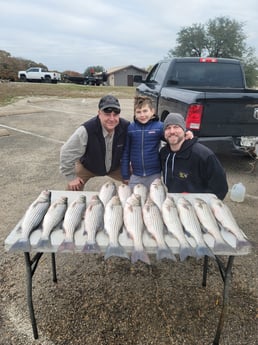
column 111, row 302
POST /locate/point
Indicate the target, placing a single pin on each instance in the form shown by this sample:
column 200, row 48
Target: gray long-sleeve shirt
column 75, row 147
column 71, row 151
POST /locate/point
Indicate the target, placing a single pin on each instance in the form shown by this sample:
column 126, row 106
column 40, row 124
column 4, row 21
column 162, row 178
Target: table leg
column 205, row 270
column 30, row 272
column 227, row 278
column 31, row 265
column 54, row 267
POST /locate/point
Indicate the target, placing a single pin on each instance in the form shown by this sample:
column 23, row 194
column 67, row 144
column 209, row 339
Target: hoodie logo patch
column 182, row 175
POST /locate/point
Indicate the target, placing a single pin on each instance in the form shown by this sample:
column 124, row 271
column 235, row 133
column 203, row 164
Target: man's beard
column 175, row 139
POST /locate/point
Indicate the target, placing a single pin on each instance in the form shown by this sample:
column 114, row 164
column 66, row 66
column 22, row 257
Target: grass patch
column 12, row 91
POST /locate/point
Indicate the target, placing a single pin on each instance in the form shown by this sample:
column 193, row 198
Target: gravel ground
column 110, row 302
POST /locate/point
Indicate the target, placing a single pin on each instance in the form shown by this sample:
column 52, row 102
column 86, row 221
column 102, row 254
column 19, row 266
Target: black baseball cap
column 109, row 101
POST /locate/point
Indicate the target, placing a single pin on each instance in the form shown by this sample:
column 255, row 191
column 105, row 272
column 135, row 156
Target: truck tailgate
column 231, row 114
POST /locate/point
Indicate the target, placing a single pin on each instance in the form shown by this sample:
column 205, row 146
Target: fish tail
column 23, row 245
column 222, row 247
column 66, row 246
column 115, row 251
column 140, row 255
column 165, row 253
column 185, row 252
column 91, row 248
column 44, row 243
column 243, row 243
column 202, row 251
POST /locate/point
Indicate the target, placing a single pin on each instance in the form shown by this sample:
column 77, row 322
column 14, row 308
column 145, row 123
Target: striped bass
column 158, row 192
column 93, row 222
column 134, row 225
column 113, row 224
column 155, row 226
column 141, row 190
column 210, row 225
column 124, row 191
column 174, row 226
column 106, row 192
column 52, row 218
column 225, row 218
column 31, row 220
column 192, row 226
column 72, row 220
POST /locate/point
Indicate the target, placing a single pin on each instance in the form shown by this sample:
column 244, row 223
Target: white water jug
column 238, row 192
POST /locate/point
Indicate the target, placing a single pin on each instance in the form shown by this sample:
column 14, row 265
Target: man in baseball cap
column 96, row 147
column 188, row 166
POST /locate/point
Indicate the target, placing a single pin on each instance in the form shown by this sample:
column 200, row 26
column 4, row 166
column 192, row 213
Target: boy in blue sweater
column 140, row 160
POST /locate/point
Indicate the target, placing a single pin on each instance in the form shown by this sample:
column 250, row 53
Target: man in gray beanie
column 188, row 166
column 175, row 119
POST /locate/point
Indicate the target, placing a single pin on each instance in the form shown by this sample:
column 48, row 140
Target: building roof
column 120, row 68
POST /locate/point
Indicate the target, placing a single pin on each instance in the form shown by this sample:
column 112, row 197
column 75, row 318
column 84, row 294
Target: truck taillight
column 194, row 116
column 208, row 59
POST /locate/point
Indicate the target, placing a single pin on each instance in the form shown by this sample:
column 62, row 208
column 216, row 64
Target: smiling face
column 175, row 136
column 144, row 114
column 143, row 109
column 109, row 119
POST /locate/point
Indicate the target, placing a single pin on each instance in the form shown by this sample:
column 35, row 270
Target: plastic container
column 238, row 192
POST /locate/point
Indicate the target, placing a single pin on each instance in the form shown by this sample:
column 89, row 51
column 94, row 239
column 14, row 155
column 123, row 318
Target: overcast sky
column 76, row 34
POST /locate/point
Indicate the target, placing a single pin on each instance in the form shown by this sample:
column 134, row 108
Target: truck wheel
column 47, row 79
column 23, row 78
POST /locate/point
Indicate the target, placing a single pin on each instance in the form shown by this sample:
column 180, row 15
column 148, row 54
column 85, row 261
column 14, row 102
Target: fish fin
column 115, row 251
column 165, row 253
column 91, row 248
column 185, row 252
column 60, row 224
column 140, row 255
column 19, row 230
column 21, row 244
column 44, row 243
column 165, row 230
column 66, row 246
column 121, row 230
column 202, row 251
column 187, row 233
column 203, row 229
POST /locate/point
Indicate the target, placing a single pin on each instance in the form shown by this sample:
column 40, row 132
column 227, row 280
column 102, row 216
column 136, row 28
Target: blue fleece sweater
column 142, row 149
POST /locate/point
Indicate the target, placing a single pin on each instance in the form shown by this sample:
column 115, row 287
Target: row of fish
column 117, row 208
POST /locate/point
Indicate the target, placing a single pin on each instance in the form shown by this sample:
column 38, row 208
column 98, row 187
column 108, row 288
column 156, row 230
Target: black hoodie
column 193, row 169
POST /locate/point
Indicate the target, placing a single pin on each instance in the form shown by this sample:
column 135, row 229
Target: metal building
column 123, row 75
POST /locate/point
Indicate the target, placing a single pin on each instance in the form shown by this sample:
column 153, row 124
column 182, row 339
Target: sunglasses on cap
column 109, row 110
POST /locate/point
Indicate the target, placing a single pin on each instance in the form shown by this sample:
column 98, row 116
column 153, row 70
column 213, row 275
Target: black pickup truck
column 211, row 94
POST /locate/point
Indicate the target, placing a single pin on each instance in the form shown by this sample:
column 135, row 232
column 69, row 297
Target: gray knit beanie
column 174, row 119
